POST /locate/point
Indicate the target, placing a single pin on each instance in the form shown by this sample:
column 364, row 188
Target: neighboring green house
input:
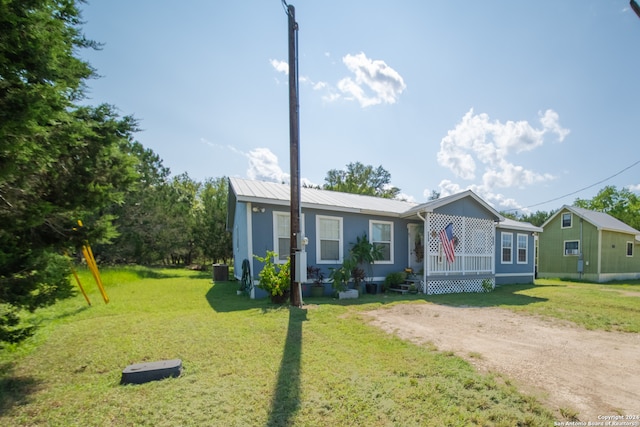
column 582, row 244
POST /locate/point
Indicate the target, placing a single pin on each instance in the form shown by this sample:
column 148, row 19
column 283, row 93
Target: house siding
column 552, row 260
column 614, row 254
column 241, row 240
column 354, row 225
column 603, row 252
column 514, row 272
column 474, row 222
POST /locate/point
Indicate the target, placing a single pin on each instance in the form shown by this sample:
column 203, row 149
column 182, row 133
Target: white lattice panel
column 474, row 245
column 456, row 286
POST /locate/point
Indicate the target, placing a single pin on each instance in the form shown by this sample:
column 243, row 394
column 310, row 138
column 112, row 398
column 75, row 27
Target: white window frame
column 390, row 242
column 564, row 248
column 629, row 245
column 526, row 248
column 502, row 248
column 319, row 240
column 276, row 237
column 570, row 220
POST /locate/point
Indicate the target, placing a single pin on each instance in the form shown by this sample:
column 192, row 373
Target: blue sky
column 521, row 101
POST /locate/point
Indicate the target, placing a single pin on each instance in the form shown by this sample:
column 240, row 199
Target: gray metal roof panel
column 262, row 191
column 519, row 225
column 601, row 220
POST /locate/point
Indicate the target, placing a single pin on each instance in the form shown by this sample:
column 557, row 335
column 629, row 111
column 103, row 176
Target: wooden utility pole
column 294, row 152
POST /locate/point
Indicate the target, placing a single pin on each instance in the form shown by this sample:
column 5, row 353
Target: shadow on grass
column 222, row 297
column 155, row 273
column 14, row 390
column 507, row 295
column 286, row 397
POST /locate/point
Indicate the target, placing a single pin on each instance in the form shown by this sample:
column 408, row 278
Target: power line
column 585, row 188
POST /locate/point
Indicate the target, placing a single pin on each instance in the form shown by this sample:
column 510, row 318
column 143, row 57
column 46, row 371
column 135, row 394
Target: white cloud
column 375, row 82
column 634, row 188
column 263, row 166
column 477, row 142
column 550, row 122
column 319, row 86
column 280, row 66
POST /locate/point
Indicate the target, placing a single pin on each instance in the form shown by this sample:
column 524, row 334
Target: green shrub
column 395, row 278
column 274, row 278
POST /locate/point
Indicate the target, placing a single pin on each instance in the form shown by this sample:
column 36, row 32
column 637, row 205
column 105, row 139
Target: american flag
column 446, row 237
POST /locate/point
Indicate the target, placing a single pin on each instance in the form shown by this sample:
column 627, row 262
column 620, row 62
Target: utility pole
column 294, row 153
column 636, row 8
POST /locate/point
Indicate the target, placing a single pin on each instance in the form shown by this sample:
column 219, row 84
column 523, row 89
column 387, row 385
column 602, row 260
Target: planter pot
column 348, row 294
column 317, row 291
column 280, row 299
column 372, row 288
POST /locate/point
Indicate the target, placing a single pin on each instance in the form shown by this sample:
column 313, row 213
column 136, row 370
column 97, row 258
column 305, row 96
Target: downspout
column 250, row 246
column 425, row 252
column 580, row 256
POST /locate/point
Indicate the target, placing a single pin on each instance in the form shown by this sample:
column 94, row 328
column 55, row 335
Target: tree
column 212, row 236
column 58, row 162
column 142, row 214
column 537, row 218
column 621, row 204
column 361, row 179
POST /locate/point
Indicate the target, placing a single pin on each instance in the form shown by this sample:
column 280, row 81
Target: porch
column 472, row 267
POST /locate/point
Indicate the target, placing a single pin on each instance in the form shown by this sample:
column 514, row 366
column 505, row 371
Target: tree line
column 62, row 161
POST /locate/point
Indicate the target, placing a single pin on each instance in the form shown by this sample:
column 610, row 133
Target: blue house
column 455, row 244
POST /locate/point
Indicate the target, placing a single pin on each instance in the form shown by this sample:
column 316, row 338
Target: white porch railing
column 463, row 264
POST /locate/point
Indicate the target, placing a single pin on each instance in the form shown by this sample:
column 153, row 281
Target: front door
column 416, row 247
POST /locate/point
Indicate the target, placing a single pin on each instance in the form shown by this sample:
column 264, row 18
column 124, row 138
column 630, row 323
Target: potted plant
column 274, row 278
column 392, row 280
column 340, row 278
column 317, row 277
column 364, row 253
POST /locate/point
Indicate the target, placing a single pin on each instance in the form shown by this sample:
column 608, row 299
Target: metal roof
column 274, row 193
column 247, row 190
column 600, row 220
column 519, row 225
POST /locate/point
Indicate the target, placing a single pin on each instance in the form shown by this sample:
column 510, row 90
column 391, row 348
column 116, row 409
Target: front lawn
column 251, row 363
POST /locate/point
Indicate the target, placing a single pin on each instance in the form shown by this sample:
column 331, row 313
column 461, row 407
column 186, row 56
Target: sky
column 530, row 104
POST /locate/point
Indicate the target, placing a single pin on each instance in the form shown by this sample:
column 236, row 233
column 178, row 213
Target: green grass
column 249, row 363
column 609, row 307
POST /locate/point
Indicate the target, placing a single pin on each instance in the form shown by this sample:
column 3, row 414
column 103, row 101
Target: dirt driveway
column 593, row 373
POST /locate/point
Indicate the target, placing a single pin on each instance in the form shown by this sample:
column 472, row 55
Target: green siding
column 614, row 254
column 552, row 259
column 613, row 259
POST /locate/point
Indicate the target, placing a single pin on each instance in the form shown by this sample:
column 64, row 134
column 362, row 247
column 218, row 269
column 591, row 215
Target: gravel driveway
column 594, row 373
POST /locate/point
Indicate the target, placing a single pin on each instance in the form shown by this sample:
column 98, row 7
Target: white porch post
column 425, row 251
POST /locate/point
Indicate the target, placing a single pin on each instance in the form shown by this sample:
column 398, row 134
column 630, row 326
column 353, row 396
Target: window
column 571, row 247
column 523, row 243
column 282, row 235
column 381, row 233
column 329, row 241
column 566, row 220
column 629, row 248
column 507, row 248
